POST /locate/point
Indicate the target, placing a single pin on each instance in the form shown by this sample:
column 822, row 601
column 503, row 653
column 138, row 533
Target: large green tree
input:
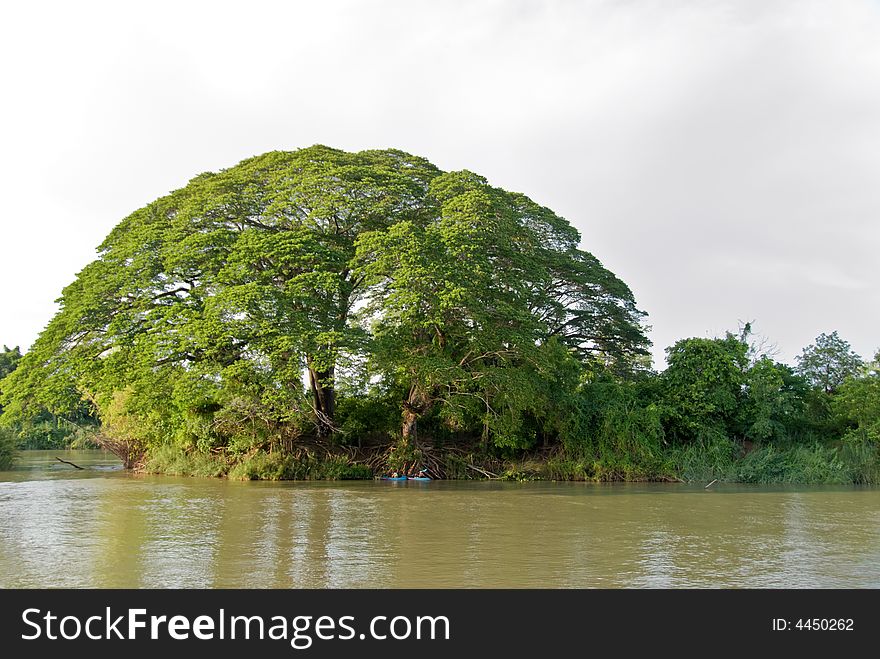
column 469, row 307
column 703, row 385
column 857, row 403
column 773, row 404
column 241, row 278
column 233, row 310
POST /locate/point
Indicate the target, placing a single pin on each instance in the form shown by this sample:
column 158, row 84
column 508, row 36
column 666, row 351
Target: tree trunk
column 415, row 405
column 410, row 421
column 324, row 398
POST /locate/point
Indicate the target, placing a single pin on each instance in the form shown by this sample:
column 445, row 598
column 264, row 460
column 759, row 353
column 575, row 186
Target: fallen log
column 487, row 474
column 69, row 463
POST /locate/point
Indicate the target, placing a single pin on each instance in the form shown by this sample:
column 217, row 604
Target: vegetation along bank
column 323, row 314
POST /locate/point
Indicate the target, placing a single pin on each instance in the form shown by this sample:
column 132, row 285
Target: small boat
column 393, row 478
column 420, row 478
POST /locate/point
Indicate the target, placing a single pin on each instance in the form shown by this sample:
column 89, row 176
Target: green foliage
column 828, row 362
column 857, row 404
column 43, row 433
column 303, row 465
column 469, row 306
column 862, row 460
column 614, row 429
column 263, row 466
column 703, row 386
column 7, row 448
column 174, row 461
column 257, row 465
column 774, row 405
column 366, row 419
column 710, row 456
column 340, row 468
column 261, row 318
column 403, row 457
column 563, row 468
column 373, row 273
column 805, row 464
column 39, row 428
column 9, row 360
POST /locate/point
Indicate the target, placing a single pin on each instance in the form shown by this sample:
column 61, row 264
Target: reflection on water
column 102, row 527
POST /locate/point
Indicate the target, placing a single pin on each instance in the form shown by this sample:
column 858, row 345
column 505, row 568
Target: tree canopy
column 237, row 310
column 828, row 362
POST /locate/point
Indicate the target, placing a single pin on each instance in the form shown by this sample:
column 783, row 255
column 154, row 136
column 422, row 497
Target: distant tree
column 774, row 401
column 858, row 403
column 8, row 362
column 873, row 367
column 828, row 362
column 7, row 448
column 703, row 385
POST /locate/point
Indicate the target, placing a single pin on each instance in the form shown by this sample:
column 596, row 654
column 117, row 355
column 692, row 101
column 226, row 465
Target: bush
column 711, row 456
column 7, row 448
column 611, row 435
column 259, row 465
column 263, row 466
column 862, row 461
column 338, row 467
column 47, row 433
column 806, row 465
column 303, row 465
column 562, row 468
column 364, row 420
column 174, row 461
column 402, row 456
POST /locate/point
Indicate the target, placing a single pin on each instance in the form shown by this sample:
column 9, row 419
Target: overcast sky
column 721, row 157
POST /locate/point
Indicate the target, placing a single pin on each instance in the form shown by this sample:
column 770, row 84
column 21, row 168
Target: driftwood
column 711, row 484
column 69, row 463
column 487, row 474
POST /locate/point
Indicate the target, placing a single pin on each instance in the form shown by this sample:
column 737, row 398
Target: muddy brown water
column 106, row 528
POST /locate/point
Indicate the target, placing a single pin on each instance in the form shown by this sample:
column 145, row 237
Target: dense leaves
column 828, row 362
column 313, row 299
column 234, row 313
column 703, row 385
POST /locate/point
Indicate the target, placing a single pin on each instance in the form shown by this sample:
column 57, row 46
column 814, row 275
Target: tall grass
column 174, row 461
column 712, row 456
column 812, row 463
column 257, row 465
column 862, row 460
column 708, row 458
column 302, row 465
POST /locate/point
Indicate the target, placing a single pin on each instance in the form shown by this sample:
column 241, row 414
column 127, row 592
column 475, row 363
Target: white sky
column 721, row 157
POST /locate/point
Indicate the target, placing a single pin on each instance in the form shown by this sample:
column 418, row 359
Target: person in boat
column 422, row 474
column 394, row 474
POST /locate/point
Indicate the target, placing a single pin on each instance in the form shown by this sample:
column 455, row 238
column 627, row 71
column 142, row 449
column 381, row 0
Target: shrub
column 7, row 448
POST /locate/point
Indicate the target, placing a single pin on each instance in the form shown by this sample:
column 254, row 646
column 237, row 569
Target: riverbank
column 719, row 460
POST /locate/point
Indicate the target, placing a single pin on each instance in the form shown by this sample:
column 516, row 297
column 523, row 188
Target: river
column 102, row 527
